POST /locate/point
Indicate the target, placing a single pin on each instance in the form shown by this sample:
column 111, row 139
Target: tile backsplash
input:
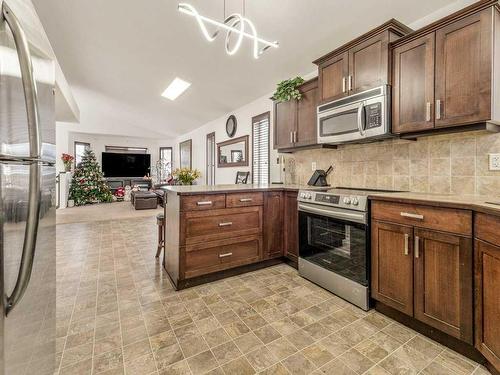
column 453, row 163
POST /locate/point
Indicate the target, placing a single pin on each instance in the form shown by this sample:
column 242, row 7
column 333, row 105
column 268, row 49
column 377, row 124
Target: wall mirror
column 185, row 150
column 233, row 153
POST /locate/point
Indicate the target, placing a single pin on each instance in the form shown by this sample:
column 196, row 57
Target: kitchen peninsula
column 225, row 229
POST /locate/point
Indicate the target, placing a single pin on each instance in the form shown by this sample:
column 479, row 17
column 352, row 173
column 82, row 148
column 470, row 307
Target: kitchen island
column 221, row 230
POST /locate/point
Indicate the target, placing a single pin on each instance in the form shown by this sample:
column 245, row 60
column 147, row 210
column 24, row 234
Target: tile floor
column 117, row 313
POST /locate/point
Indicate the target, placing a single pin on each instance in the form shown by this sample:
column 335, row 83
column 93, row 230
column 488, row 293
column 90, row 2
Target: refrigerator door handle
column 28, row 79
column 30, row 96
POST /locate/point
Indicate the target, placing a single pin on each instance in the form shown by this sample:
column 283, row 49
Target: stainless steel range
column 334, row 242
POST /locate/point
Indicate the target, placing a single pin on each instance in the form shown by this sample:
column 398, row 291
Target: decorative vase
column 71, row 203
column 67, row 167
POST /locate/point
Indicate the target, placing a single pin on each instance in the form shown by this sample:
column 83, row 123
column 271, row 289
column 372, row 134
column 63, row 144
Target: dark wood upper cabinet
column 285, row 118
column 392, row 265
column 306, row 130
column 369, row 64
column 443, row 282
column 443, row 73
column 295, row 120
column 333, row 75
column 463, row 70
column 273, row 224
column 413, row 85
column 360, row 64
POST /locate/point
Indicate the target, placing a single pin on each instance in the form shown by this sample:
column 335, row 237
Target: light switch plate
column 494, row 162
column 313, row 166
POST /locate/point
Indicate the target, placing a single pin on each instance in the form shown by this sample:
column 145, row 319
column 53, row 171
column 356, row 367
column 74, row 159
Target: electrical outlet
column 313, row 166
column 494, row 164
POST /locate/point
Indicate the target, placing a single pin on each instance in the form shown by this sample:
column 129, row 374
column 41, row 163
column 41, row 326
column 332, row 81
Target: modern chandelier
column 233, row 24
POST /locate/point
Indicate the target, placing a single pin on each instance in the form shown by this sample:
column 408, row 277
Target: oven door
column 335, row 239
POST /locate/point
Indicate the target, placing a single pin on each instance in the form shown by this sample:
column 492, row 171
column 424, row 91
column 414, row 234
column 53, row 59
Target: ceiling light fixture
column 176, row 88
column 235, row 23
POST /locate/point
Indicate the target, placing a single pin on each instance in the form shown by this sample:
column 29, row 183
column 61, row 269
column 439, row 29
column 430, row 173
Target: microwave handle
column 361, row 119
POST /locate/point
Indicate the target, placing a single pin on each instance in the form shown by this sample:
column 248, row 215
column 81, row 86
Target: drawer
column 435, row 218
column 244, row 199
column 487, row 228
column 219, row 255
column 220, row 224
column 203, row 202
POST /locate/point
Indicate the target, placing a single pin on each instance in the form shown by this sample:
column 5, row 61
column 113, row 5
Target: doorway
column 210, row 159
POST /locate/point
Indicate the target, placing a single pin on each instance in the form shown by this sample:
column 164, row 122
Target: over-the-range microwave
column 360, row 117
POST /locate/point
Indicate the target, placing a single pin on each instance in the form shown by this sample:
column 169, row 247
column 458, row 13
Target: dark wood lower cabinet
column 273, row 224
column 392, row 265
column 443, row 282
column 291, row 241
column 487, row 301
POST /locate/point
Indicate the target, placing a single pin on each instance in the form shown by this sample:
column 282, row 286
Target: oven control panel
column 327, row 198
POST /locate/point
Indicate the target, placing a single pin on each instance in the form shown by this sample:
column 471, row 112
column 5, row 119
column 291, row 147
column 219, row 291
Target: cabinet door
column 463, row 71
column 413, row 86
column 285, row 119
column 273, row 224
column 291, row 226
column 443, row 282
column 392, row 265
column 487, row 301
column 306, row 115
column 333, row 75
column 369, row 64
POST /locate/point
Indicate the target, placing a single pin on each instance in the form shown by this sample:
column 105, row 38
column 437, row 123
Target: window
column 80, row 148
column 260, row 149
column 126, row 150
column 166, row 158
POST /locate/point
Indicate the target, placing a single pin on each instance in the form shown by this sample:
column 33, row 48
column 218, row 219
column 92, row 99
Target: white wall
column 244, row 117
column 65, row 143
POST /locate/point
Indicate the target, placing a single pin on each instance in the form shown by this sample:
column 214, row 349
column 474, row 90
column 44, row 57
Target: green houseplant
column 288, row 90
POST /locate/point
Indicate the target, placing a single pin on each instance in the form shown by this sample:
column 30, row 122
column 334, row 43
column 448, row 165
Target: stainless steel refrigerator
column 27, row 195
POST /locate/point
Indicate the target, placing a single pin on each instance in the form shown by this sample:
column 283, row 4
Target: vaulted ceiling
column 119, row 55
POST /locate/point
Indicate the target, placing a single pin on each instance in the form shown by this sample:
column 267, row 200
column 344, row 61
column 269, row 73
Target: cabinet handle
column 225, row 255
column 350, row 83
column 204, row 203
column 246, row 199
column 226, row 224
column 291, row 137
column 407, row 240
column 412, row 216
column 295, row 138
column 438, row 109
column 428, row 112
column 343, row 84
column 417, row 244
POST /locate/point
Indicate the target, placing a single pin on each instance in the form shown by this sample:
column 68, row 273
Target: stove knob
column 347, row 200
column 302, row 195
column 355, row 201
column 308, row 196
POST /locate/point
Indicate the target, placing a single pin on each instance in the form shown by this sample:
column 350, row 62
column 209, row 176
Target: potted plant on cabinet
column 288, row 90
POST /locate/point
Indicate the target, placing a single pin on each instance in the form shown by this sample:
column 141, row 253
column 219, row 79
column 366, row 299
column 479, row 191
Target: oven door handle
column 335, row 214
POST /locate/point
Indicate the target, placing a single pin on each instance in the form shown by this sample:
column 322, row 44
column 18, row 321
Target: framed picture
column 185, row 151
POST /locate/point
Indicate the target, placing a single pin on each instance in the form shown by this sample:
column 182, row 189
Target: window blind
column 260, row 149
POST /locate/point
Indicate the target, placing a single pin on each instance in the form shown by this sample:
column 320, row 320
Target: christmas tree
column 87, row 184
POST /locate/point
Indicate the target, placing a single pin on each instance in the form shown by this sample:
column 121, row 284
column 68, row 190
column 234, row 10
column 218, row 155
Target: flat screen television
column 125, row 165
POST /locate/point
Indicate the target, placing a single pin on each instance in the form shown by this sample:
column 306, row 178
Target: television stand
column 117, row 182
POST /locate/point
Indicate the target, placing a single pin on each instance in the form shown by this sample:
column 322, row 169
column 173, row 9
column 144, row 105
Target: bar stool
column 160, row 221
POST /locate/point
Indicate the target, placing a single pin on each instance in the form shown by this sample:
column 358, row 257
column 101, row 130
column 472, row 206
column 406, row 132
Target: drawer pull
column 417, row 243
column 225, row 255
column 204, row 203
column 412, row 216
column 407, row 239
column 226, row 224
column 246, row 199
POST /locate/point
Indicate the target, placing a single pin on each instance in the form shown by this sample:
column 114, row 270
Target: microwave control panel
column 373, row 115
